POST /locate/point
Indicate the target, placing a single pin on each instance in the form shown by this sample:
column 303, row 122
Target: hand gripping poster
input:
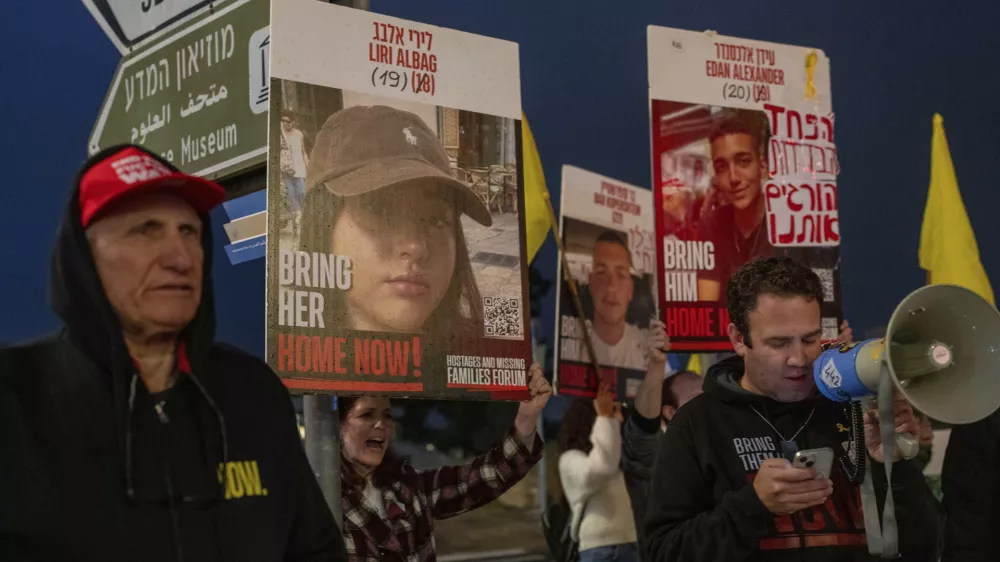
column 744, row 165
column 395, row 248
column 607, row 231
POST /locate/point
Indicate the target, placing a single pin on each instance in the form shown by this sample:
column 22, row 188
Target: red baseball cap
column 132, row 170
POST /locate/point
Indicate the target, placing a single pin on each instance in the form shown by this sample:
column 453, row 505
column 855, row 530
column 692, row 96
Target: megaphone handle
column 890, row 528
column 907, row 443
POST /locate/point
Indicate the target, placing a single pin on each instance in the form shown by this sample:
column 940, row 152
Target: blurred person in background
column 294, row 160
column 678, row 389
column 592, row 480
column 643, row 425
column 971, row 486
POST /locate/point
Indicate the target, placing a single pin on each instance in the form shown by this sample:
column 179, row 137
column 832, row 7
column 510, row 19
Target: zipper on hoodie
column 161, row 413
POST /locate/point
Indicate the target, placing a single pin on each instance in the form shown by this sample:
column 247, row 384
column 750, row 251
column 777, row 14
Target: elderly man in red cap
column 131, row 434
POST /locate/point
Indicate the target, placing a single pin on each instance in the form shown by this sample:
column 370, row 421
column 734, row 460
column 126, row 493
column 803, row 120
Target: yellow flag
column 536, row 214
column 694, row 363
column 948, row 249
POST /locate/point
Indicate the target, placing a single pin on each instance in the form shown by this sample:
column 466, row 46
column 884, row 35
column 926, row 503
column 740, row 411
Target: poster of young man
column 744, row 165
column 396, row 256
column 607, row 231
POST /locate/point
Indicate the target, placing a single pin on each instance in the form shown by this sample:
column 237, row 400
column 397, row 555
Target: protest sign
column 607, row 232
column 744, row 165
column 395, row 249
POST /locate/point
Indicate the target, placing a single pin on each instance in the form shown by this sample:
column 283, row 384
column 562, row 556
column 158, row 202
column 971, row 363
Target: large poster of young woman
column 744, row 165
column 396, row 258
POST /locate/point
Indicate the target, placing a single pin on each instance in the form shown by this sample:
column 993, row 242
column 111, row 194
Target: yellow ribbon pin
column 841, row 428
column 811, row 59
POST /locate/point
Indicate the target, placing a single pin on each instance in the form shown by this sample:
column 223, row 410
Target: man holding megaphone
column 764, row 467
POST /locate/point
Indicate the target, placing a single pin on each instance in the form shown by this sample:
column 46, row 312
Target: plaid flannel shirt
column 415, row 498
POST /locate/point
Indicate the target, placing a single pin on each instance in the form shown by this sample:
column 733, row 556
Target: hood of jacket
column 77, row 295
column 723, row 382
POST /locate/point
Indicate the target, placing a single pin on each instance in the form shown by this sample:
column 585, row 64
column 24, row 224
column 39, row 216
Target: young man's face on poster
column 403, row 241
column 738, row 169
column 611, row 282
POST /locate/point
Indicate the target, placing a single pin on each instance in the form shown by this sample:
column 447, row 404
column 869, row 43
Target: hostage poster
column 607, row 231
column 744, row 165
column 395, row 247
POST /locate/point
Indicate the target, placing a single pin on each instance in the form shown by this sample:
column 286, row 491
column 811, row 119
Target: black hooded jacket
column 211, row 470
column 703, row 506
column 971, row 486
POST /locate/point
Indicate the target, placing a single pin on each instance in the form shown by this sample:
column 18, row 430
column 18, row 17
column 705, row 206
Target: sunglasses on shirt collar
column 174, row 497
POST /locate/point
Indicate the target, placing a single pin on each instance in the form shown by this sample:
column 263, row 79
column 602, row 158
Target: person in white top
column 294, row 162
column 618, row 343
column 593, row 482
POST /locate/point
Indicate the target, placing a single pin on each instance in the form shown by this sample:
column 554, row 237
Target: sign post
column 323, row 447
column 198, row 97
column 130, row 24
column 322, row 423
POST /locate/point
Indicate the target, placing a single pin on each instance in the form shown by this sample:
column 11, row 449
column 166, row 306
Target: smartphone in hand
column 819, row 459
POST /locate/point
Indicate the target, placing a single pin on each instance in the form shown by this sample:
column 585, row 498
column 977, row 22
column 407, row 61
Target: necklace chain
column 853, row 470
column 753, row 243
column 803, row 426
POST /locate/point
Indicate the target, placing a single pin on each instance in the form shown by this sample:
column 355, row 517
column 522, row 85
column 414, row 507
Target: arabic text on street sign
column 199, row 97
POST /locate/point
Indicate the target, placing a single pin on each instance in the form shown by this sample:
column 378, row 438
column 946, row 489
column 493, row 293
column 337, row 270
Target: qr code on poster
column 826, row 278
column 502, row 316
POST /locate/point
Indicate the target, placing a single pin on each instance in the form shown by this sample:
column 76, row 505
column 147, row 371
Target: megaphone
column 941, row 349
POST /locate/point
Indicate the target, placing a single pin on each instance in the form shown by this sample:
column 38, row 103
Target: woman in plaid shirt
column 389, row 507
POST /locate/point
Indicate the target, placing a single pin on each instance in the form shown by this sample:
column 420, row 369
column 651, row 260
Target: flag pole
column 572, row 288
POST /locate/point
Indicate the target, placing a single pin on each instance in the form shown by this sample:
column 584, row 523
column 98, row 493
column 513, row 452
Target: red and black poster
column 744, row 166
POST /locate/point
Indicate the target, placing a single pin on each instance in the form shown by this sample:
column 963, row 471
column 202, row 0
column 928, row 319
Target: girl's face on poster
column 401, row 242
column 367, row 430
